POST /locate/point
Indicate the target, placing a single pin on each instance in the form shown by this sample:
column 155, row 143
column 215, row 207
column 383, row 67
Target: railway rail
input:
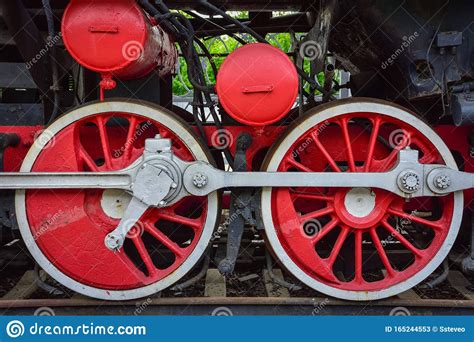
column 458, row 299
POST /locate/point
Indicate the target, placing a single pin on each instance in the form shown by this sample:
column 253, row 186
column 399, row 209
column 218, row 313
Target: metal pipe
column 328, row 81
column 439, row 279
column 44, row 286
column 196, row 278
column 276, row 279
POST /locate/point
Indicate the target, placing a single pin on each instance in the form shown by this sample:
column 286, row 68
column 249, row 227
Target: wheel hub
column 115, row 202
column 359, row 202
column 361, row 208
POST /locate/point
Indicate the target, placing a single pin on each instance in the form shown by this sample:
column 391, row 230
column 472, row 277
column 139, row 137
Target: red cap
column 257, row 84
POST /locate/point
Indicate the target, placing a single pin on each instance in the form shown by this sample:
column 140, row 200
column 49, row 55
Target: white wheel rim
column 321, row 115
column 109, row 107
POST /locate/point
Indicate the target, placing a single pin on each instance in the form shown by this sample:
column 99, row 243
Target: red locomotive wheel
column 65, row 229
column 358, row 243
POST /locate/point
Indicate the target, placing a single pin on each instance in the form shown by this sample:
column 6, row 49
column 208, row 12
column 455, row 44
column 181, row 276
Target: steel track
column 239, row 306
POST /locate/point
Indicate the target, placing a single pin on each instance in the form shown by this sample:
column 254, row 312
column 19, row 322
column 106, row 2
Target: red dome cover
column 257, row 84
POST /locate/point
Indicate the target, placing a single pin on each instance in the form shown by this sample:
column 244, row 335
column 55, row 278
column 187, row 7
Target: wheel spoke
column 298, row 165
column 400, row 238
column 338, row 245
column 432, row 224
column 302, row 195
column 130, row 137
column 166, row 241
column 358, row 256
column 324, row 231
column 325, row 153
column 104, row 139
column 186, row 221
column 142, row 251
column 350, row 156
column 316, row 214
column 381, row 252
column 87, row 159
column 373, row 140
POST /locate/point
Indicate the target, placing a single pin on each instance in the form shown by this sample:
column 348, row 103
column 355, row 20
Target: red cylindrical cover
column 257, row 84
column 116, row 37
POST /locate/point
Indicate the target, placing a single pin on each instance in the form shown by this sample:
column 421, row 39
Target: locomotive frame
column 434, row 69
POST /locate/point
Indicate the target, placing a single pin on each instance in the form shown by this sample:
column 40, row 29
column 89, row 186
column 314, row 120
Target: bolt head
column 442, row 182
column 409, row 182
column 200, row 180
column 112, row 242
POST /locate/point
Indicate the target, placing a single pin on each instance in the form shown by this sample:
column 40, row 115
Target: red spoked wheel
column 65, row 229
column 358, row 243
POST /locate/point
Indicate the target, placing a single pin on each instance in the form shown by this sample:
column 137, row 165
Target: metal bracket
column 240, row 211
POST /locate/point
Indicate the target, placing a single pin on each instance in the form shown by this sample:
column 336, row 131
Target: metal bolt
column 174, row 186
column 200, row 180
column 409, row 182
column 442, row 182
column 112, row 242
